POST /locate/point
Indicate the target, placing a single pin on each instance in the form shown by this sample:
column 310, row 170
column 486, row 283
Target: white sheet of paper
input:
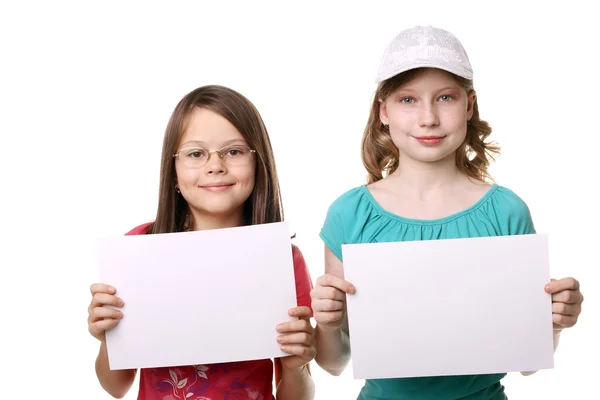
column 199, row 297
column 449, row 307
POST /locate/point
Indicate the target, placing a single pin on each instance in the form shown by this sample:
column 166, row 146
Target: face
column 214, row 187
column 427, row 116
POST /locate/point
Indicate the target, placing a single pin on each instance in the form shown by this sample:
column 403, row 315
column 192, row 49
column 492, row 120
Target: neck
column 423, row 177
column 204, row 221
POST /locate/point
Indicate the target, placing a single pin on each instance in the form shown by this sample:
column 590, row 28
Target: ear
column 383, row 115
column 471, row 104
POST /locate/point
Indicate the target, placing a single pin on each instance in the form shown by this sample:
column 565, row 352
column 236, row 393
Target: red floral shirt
column 246, row 380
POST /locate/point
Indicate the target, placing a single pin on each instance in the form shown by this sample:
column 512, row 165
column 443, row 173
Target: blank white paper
column 199, row 297
column 449, row 307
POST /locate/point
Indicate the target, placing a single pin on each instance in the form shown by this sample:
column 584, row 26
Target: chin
column 430, row 158
column 222, row 209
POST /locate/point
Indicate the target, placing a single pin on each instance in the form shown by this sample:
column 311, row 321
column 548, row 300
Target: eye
column 194, row 153
column 446, row 97
column 407, row 100
column 234, row 151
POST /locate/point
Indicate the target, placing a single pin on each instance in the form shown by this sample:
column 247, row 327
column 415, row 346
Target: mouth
column 217, row 186
column 429, row 140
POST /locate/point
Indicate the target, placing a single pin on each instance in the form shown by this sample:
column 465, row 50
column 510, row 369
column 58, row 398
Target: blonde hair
column 380, row 155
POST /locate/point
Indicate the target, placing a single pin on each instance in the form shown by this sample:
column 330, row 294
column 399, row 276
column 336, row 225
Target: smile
column 217, row 187
column 430, row 140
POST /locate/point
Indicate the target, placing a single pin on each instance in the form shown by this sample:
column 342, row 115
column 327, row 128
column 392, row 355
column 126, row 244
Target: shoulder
column 511, row 212
column 509, row 202
column 140, row 229
column 348, row 201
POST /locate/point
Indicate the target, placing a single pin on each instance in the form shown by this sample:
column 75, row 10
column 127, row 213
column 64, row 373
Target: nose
column 428, row 115
column 214, row 164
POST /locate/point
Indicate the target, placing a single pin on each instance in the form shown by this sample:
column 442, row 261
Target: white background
column 86, row 90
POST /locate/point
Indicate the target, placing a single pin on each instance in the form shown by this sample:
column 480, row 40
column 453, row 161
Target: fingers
column 564, row 321
column 555, row 286
column 300, row 312
column 98, row 313
column 336, row 282
column 566, row 301
column 565, row 315
column 97, row 328
column 297, row 337
column 101, row 318
column 105, row 299
column 327, row 292
column 328, row 299
column 302, row 338
column 320, row 306
column 568, row 297
column 301, row 325
column 327, row 303
column 102, row 288
column 306, row 352
column 566, row 309
column 330, row 318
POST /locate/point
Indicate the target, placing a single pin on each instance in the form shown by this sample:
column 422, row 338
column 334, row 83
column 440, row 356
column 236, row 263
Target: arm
column 333, row 348
column 116, row 382
column 329, row 305
column 566, row 307
column 292, row 374
column 295, row 384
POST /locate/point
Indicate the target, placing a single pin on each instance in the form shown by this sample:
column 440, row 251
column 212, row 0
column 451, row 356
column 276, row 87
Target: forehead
column 430, row 78
column 206, row 127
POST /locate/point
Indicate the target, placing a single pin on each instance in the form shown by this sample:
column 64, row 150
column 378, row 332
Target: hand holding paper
column 566, row 302
column 329, row 300
column 100, row 318
column 297, row 339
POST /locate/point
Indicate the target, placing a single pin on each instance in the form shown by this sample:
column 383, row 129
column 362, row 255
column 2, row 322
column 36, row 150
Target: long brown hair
column 264, row 204
column 380, row 155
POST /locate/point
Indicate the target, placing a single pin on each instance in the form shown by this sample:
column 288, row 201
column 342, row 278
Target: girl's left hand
column 297, row 339
column 566, row 302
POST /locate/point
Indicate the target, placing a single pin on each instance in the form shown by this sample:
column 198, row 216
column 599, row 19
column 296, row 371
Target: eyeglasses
column 232, row 155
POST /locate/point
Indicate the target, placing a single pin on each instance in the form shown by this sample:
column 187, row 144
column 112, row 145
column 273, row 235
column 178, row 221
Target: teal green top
column 355, row 217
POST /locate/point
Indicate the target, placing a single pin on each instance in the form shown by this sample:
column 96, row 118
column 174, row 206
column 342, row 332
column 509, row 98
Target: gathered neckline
column 436, row 221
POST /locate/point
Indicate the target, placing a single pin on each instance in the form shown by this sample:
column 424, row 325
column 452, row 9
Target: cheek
column 186, row 177
column 248, row 177
column 402, row 120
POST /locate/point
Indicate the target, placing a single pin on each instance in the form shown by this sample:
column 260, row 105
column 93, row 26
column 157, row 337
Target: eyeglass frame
column 209, row 152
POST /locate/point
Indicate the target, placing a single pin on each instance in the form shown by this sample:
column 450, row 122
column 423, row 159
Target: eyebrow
column 200, row 143
column 410, row 90
column 448, row 88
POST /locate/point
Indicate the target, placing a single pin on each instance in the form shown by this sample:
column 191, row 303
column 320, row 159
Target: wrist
column 294, row 370
column 328, row 328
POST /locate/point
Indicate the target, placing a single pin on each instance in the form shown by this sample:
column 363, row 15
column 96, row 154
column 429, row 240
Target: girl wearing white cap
column 427, row 158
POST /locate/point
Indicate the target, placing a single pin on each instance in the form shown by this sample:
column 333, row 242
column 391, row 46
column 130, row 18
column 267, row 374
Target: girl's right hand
column 329, row 300
column 101, row 318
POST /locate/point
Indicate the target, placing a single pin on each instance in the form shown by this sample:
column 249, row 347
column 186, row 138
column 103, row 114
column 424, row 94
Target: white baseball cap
column 424, row 46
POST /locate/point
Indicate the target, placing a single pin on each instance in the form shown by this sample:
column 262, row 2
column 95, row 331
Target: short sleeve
column 521, row 222
column 140, row 230
column 515, row 213
column 303, row 281
column 332, row 232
